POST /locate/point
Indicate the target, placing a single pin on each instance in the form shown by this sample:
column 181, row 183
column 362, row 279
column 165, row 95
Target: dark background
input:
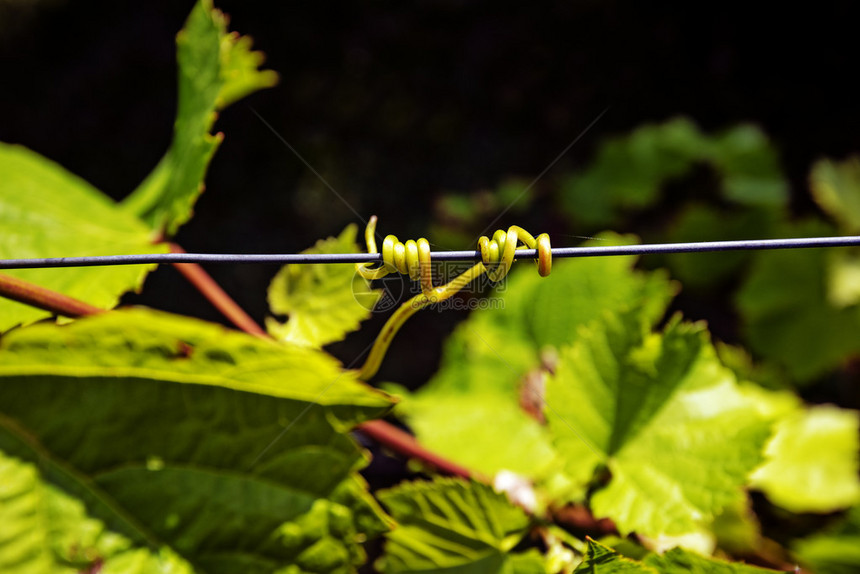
column 396, row 103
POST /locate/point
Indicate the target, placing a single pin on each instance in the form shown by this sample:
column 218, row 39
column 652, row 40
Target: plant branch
column 36, row 296
column 405, row 444
column 213, row 292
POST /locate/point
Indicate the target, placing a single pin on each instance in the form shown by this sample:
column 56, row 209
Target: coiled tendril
column 413, row 258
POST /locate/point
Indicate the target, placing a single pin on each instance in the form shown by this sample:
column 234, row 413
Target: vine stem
column 404, row 443
column 45, row 299
column 219, row 298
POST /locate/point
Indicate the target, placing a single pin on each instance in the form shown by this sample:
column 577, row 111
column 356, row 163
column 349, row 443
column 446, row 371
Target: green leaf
column 45, row 530
column 323, row 302
column 45, row 211
column 812, row 461
column 579, row 292
column 836, row 189
column 215, row 69
column 497, row 359
column 229, row 449
column 240, row 66
column 750, row 169
column 835, row 551
column 843, row 279
column 681, row 561
column 450, row 525
column 787, row 313
column 629, row 170
column 698, row 222
column 736, row 529
column 601, row 559
column 668, row 421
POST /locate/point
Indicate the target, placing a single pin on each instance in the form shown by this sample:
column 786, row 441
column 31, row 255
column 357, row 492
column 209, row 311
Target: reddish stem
column 578, row 517
column 42, row 298
column 404, row 443
column 213, row 292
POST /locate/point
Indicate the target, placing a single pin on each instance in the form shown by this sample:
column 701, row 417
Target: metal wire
column 303, row 258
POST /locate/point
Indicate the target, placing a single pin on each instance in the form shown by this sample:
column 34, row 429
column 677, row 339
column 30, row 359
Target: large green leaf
column 788, row 314
column 43, row 530
column 450, row 525
column 601, row 559
column 323, row 302
column 45, row 211
column 497, row 359
column 215, row 69
column 670, row 424
column 224, row 447
column 812, row 461
column 680, row 561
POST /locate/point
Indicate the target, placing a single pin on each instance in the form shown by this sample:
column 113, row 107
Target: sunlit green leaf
column 224, row 447
column 680, row 561
column 240, row 66
column 495, row 362
column 812, row 461
column 450, row 525
column 215, row 69
column 323, row 302
column 601, row 559
column 668, row 421
column 45, row 211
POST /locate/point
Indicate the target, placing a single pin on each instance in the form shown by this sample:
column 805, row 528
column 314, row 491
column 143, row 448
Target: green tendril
column 413, row 259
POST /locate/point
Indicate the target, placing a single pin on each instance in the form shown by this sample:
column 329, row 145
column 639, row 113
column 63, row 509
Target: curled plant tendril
column 497, row 254
column 413, row 258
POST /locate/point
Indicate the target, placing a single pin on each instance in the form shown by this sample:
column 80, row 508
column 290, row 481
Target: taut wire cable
column 468, row 255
